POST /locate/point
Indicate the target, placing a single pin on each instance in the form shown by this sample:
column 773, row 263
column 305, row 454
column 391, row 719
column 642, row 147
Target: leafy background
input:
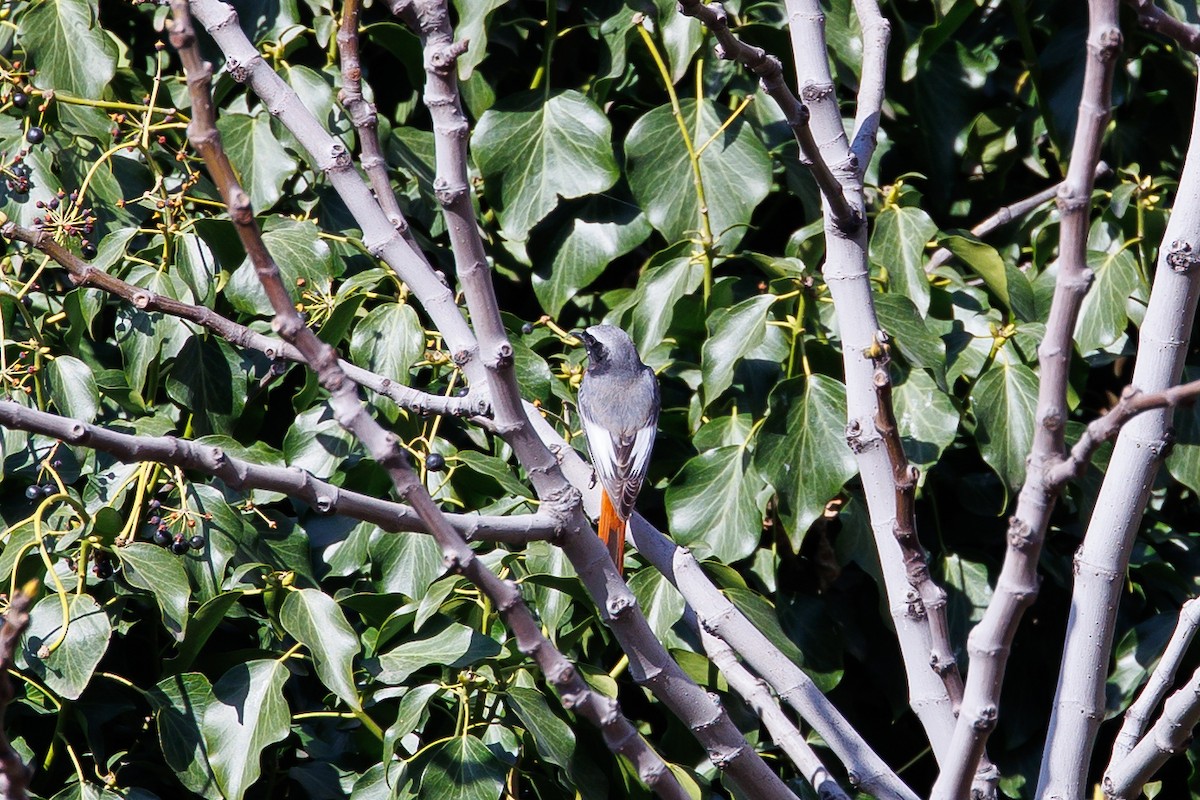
column 371, row 674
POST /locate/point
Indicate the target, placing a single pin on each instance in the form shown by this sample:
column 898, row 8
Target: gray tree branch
column 619, row 734
column 990, row 641
column 14, row 774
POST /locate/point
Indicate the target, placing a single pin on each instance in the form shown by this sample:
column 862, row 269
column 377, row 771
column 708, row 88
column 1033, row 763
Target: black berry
column 87, row 250
column 461, row 391
column 161, row 537
column 154, row 521
column 154, row 504
column 35, row 135
column 196, row 542
column 103, row 570
column 49, row 489
column 435, row 462
column 527, row 328
column 179, row 546
column 20, row 99
column 33, row 492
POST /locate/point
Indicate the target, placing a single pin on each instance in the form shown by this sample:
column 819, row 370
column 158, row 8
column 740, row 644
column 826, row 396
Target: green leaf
column 73, row 388
column 910, row 335
column 671, row 274
column 407, row 563
column 732, row 333
column 711, row 508
column 472, row 27
column 661, row 603
column 389, row 341
column 209, row 382
column 203, row 624
column 552, row 736
column 262, row 165
column 71, row 51
column 983, row 260
column 927, row 418
column 1102, row 317
column 197, row 265
column 317, row 443
column 317, row 622
column 735, row 167
column 533, row 150
column 68, row 669
column 304, row 260
column 152, row 568
column 248, row 713
column 765, row 617
column 582, row 254
column 410, row 711
column 681, row 37
column 455, row 646
column 1183, row 460
column 179, row 703
column 809, row 461
column 464, row 769
column 1004, row 400
column 898, row 244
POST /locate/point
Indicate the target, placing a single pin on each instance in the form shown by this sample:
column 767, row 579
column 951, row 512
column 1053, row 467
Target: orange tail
column 612, row 532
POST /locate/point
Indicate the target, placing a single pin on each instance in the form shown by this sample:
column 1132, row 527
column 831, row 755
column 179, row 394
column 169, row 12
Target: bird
column 618, row 403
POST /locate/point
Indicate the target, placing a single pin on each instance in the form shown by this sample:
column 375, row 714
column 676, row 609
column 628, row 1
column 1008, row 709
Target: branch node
column 986, row 719
column 619, row 604
column 813, row 91
column 1020, row 535
column 446, row 193
column 1181, row 258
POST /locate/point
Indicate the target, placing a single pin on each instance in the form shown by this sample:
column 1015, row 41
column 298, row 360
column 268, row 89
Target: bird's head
column 608, row 345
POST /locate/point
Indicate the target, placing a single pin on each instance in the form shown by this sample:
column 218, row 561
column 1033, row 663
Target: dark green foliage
column 279, row 652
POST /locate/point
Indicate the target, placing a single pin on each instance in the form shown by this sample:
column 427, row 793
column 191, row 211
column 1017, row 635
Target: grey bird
column 618, row 403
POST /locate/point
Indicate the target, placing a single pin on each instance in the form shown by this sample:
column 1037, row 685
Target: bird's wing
column 621, row 460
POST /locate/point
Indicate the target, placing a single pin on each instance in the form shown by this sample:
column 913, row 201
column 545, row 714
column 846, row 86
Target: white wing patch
column 604, row 457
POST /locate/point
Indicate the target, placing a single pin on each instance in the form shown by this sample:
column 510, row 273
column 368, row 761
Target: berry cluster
column 178, row 543
column 16, row 177
column 69, row 219
column 40, row 490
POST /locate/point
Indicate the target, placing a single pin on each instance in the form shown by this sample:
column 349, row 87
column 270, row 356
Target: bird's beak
column 583, row 338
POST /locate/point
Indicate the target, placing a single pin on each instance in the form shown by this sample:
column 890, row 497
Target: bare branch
column 990, row 641
column 619, row 734
column 14, row 774
column 1153, row 18
column 755, row 692
column 650, row 664
column 876, row 34
column 362, row 115
column 1133, row 402
column 84, row 274
column 770, row 72
column 916, row 560
column 1137, row 716
column 237, row 474
column 1169, row 736
column 1007, row 214
column 1102, row 560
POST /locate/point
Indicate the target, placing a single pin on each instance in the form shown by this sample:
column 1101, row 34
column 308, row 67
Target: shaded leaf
column 454, row 646
column 711, row 507
column 1004, row 400
column 464, row 769
column 152, row 568
column 73, row 388
column 732, row 333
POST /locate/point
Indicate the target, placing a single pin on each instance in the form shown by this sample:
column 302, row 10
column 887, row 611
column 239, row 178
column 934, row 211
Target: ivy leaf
column 305, row 264
column 982, row 258
column 1183, row 460
column 208, row 381
column 532, row 151
column 681, row 37
column 464, row 769
column 551, row 735
column 909, row 333
column 179, row 703
column 71, row 51
column 898, row 244
column 926, row 416
column 407, row 563
column 662, row 604
column 582, row 252
column 248, row 712
column 68, row 669
column 73, row 388
column 203, row 624
column 389, row 341
column 152, row 568
column 1102, row 317
column 317, row 443
column 455, row 646
column 809, row 461
column 735, row 167
column 1004, row 400
column 472, row 27
column 711, row 507
column 317, row 622
column 262, row 165
column 196, row 264
column 670, row 274
column 732, row 333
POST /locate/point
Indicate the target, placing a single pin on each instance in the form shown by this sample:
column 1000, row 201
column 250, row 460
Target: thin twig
column 14, row 774
column 1137, row 716
column 1153, row 18
column 755, row 692
column 363, row 116
column 619, row 734
column 240, row 475
column 876, row 34
column 769, row 69
column 1133, row 402
column 86, row 275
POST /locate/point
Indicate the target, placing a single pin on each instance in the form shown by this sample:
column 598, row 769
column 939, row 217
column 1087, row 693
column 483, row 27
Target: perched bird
column 618, row 403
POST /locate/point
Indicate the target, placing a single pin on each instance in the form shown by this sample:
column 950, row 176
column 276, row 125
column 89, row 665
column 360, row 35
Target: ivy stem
column 706, row 234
